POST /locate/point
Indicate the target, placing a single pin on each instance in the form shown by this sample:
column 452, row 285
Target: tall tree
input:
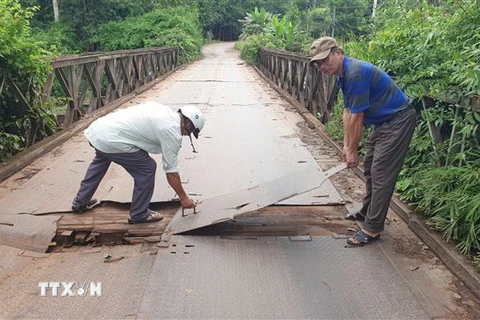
column 55, row 10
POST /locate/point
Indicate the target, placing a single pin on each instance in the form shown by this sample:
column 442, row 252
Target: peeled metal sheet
column 53, row 188
column 326, row 194
column 223, row 208
column 28, row 232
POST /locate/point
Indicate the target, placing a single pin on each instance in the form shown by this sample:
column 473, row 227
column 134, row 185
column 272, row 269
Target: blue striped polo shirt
column 367, row 88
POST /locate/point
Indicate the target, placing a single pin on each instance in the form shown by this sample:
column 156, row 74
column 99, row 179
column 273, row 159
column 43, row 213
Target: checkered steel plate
column 215, row 278
column 123, row 285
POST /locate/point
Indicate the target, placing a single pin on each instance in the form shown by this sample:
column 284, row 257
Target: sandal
column 152, row 216
column 360, row 238
column 354, row 216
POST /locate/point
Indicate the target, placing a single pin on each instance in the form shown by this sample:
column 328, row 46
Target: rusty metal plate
column 28, row 232
column 223, row 208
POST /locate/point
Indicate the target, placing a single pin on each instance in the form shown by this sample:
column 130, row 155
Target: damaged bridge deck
column 251, row 139
column 107, row 224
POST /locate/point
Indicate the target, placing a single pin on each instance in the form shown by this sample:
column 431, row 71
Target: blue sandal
column 360, row 239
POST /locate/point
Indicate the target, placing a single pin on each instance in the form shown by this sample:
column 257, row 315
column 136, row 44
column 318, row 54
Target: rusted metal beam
column 293, row 73
column 108, row 76
column 89, row 58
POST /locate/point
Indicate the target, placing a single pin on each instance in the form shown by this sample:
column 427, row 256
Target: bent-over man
column 126, row 137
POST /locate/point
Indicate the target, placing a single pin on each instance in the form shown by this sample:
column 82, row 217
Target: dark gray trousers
column 386, row 149
column 138, row 164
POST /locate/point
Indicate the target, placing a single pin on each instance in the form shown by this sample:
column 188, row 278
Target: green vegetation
column 301, row 23
column 24, row 67
column 30, row 39
column 171, row 26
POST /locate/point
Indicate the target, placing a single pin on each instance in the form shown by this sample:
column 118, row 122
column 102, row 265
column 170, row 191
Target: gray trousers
column 138, row 164
column 386, row 149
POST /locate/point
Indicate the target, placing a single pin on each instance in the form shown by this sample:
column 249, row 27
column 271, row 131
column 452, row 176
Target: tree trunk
column 55, row 10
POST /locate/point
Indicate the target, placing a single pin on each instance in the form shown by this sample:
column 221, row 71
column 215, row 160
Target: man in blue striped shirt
column 370, row 98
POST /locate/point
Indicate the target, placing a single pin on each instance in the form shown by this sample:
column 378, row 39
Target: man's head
column 327, row 56
column 193, row 120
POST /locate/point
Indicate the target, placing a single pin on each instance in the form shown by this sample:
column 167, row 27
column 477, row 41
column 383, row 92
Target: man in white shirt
column 126, row 137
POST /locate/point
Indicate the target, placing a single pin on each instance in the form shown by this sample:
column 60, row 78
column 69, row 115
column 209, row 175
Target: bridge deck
column 251, row 136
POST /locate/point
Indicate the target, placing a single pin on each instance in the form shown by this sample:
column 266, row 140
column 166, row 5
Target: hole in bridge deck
column 108, row 223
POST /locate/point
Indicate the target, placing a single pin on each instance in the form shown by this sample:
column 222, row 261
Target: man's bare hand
column 352, row 159
column 188, row 203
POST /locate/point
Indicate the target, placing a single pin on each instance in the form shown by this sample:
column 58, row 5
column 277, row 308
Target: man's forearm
column 355, row 131
column 346, row 126
column 175, row 182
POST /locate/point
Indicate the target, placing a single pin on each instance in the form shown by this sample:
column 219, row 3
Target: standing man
column 370, row 98
column 126, row 137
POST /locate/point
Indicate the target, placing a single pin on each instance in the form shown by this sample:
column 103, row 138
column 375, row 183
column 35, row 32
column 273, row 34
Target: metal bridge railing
column 89, row 82
column 316, row 91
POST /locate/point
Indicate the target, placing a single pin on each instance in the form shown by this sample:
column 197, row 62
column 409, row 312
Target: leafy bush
column 172, row 26
column 344, row 18
column 250, row 47
column 60, row 37
column 434, row 50
column 450, row 197
column 24, row 65
column 256, row 22
column 264, row 29
column 9, row 144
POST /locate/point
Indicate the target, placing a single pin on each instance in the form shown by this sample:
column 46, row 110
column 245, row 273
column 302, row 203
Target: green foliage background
column 24, row 64
column 171, row 26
